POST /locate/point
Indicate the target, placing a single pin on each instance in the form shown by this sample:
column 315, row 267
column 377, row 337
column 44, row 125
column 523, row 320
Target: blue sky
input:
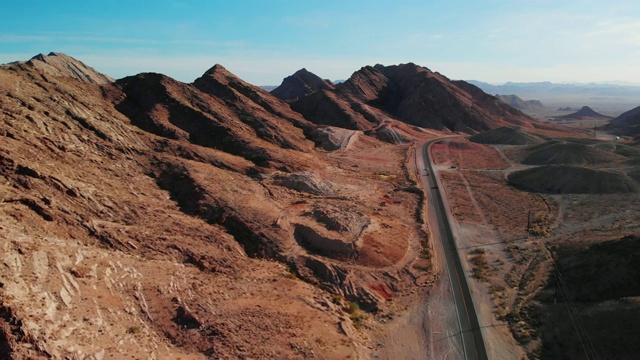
column 264, row 41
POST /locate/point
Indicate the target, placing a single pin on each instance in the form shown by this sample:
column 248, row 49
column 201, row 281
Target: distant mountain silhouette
column 617, row 94
column 521, row 104
column 546, row 88
column 585, row 113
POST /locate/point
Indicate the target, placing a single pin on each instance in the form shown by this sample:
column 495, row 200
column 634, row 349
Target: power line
column 574, row 315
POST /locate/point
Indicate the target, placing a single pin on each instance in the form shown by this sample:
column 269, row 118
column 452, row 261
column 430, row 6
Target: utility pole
column 529, row 223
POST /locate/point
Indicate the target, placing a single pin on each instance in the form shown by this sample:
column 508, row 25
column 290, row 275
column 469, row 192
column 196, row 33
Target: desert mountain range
column 616, row 95
column 409, row 93
column 140, row 210
column 150, row 217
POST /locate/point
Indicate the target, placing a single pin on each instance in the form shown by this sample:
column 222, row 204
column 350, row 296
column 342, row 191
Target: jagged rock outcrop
column 308, row 182
column 331, row 138
column 301, row 83
column 337, row 219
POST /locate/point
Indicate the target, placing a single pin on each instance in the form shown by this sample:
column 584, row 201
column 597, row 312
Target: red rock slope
column 154, row 218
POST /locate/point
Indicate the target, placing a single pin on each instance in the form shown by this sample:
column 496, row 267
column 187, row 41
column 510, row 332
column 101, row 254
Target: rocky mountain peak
column 366, row 83
column 302, row 72
column 585, row 112
column 220, row 81
column 40, row 57
column 301, row 83
column 59, row 64
column 217, row 69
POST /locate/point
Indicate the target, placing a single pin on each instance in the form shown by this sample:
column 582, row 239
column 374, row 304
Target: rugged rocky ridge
column 151, row 214
column 229, row 121
column 411, row 94
column 59, row 64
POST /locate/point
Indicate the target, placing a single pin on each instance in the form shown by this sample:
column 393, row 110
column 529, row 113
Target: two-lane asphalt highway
column 469, row 326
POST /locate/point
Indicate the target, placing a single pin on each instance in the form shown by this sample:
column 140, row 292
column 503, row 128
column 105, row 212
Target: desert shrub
column 353, row 307
column 337, row 299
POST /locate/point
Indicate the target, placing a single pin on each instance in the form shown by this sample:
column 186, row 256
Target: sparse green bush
column 357, row 317
column 358, row 320
column 353, row 307
column 337, row 299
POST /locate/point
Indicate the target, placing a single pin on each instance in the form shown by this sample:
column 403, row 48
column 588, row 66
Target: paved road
column 470, row 331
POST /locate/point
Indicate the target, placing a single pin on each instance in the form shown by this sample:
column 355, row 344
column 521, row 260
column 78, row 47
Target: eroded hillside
column 155, row 218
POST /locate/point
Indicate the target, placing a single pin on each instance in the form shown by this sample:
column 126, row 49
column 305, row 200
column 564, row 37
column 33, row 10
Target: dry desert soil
column 149, row 218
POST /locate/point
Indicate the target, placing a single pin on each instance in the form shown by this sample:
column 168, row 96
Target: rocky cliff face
column 189, row 220
column 411, row 94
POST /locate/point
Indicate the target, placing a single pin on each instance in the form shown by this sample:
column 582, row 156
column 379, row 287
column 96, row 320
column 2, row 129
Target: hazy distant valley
column 146, row 217
column 611, row 99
